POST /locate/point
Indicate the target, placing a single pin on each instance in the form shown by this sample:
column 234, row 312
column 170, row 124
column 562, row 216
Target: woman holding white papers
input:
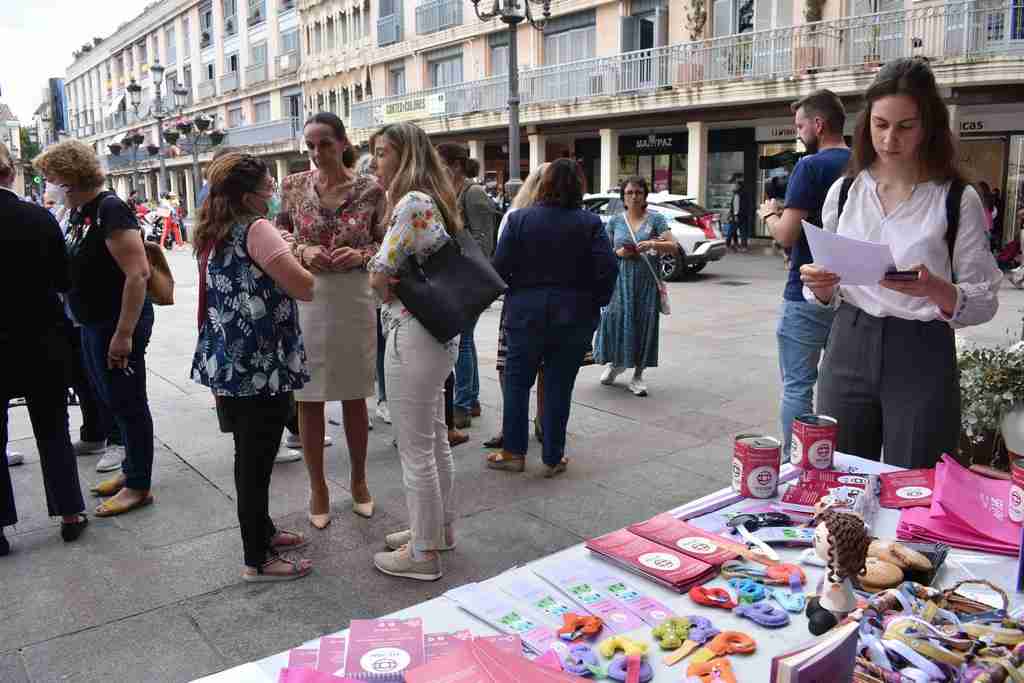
column 889, row 371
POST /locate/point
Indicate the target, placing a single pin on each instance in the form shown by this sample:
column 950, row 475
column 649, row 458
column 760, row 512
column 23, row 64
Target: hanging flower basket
column 139, row 138
column 153, row 150
column 185, row 126
column 115, row 149
column 202, row 123
column 216, row 137
column 171, row 136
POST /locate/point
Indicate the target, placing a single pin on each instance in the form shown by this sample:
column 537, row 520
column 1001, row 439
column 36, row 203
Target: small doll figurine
column 841, row 540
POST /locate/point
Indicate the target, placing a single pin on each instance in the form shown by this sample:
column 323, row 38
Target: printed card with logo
column 631, row 596
column 382, row 649
column 575, row 583
column 907, row 488
column 686, row 538
column 668, row 567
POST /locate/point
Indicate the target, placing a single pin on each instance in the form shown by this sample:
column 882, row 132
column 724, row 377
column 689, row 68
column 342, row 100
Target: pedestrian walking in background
column 249, row 350
column 478, row 217
column 36, row 355
column 739, row 216
column 336, row 219
column 889, row 373
column 423, row 218
column 108, row 297
column 629, row 330
column 560, row 270
column 525, row 198
column 803, row 327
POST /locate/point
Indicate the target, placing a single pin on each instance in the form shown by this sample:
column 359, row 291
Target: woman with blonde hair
column 423, row 218
column 249, row 351
column 108, row 297
column 526, row 197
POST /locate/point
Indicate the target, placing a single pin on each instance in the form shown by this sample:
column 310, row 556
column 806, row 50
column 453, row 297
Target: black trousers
column 256, row 423
column 894, row 387
column 449, row 401
column 97, row 422
column 47, row 409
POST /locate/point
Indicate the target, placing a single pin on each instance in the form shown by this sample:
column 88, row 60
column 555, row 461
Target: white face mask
column 57, row 193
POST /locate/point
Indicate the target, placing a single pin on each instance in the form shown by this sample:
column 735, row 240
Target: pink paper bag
column 974, row 501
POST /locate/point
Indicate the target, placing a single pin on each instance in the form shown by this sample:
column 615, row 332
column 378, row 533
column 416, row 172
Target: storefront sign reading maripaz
column 411, row 108
column 655, row 143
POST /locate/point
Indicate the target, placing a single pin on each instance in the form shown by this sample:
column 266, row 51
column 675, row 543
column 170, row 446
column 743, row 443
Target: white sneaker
column 111, row 460
column 638, row 387
column 90, row 447
column 288, row 455
column 383, row 413
column 610, row 373
column 400, row 563
column 293, row 441
column 14, row 458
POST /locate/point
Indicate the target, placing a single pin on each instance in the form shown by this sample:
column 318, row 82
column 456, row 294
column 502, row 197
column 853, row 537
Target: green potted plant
column 692, row 71
column 991, row 403
column 873, row 57
column 809, row 55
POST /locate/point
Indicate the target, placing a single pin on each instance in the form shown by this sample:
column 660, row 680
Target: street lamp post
column 514, row 12
column 130, row 141
column 195, row 131
column 157, row 111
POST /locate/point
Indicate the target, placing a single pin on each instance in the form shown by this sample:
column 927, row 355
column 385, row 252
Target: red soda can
column 1016, row 502
column 814, row 442
column 755, row 466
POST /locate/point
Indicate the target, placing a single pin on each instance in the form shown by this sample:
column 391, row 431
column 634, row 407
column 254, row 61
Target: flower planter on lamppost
column 196, row 131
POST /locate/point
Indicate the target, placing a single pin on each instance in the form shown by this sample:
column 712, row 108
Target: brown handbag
column 160, row 286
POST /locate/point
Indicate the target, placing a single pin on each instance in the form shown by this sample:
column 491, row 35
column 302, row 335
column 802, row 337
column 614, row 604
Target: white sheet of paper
column 855, row 261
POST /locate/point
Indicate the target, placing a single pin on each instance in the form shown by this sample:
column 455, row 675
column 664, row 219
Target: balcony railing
column 265, row 133
column 207, row 89
column 389, row 30
column 436, row 15
column 255, row 74
column 229, row 81
column 942, row 33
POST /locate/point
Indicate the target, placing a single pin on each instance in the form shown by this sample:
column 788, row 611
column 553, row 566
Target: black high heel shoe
column 5, row 547
column 70, row 531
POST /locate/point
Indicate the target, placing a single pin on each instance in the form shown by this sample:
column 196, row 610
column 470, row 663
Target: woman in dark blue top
column 560, row 271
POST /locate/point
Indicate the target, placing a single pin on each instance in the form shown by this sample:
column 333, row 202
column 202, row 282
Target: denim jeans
column 467, row 372
column 416, row 367
column 561, row 347
column 123, row 392
column 802, row 332
column 97, row 423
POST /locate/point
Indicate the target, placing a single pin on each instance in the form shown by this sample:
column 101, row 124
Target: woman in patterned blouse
column 249, row 351
column 424, row 218
column 335, row 217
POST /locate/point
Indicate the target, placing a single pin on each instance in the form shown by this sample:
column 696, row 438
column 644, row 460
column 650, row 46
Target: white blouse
column 916, row 233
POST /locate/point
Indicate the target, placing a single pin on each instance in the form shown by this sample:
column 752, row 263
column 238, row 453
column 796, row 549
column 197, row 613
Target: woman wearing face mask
column 335, row 217
column 249, row 350
column 889, row 372
column 109, row 270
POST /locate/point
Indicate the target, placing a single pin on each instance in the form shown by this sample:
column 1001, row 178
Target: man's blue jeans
column 802, row 332
column 123, row 392
column 467, row 372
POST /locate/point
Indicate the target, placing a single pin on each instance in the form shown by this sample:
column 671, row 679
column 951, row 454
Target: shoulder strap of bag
column 953, row 199
column 643, row 257
column 844, row 192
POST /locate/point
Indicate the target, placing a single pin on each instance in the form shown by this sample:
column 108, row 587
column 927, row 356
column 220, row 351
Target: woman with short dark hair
column 889, row 372
column 628, row 335
column 336, row 218
column 560, row 271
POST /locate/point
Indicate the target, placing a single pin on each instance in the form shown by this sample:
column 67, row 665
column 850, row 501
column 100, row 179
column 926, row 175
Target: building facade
column 236, row 59
column 690, row 93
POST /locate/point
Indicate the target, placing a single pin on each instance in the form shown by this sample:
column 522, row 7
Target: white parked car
column 695, row 229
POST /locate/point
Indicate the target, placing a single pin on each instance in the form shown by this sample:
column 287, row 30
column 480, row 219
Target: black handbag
column 452, row 288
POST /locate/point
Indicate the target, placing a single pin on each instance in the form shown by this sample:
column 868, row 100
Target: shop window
column 723, row 168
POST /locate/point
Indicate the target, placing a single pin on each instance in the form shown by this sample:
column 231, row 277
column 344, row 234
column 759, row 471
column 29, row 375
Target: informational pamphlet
column 332, row 655
column 382, row 649
column 438, row 645
column 577, row 584
column 496, row 609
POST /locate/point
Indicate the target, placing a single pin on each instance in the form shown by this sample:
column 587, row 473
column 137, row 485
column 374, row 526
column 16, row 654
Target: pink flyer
column 440, row 644
column 382, row 649
column 302, row 658
column 332, row 655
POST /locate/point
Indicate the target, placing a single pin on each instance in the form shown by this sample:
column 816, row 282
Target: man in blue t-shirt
column 803, row 327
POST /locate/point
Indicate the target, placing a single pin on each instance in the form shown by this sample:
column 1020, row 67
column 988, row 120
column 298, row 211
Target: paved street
column 155, row 595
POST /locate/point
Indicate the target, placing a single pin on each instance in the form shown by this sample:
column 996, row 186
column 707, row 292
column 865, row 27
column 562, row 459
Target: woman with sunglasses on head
column 423, row 218
column 628, row 335
column 336, row 218
column 109, row 270
column 889, row 372
column 249, row 350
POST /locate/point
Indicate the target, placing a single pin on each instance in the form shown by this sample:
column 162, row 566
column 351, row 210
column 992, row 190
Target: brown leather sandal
column 506, row 462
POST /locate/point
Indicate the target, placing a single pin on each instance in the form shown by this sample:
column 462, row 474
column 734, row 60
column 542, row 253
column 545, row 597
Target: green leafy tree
column 29, row 149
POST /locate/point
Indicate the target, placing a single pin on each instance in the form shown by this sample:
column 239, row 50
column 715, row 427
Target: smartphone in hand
column 902, row 275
